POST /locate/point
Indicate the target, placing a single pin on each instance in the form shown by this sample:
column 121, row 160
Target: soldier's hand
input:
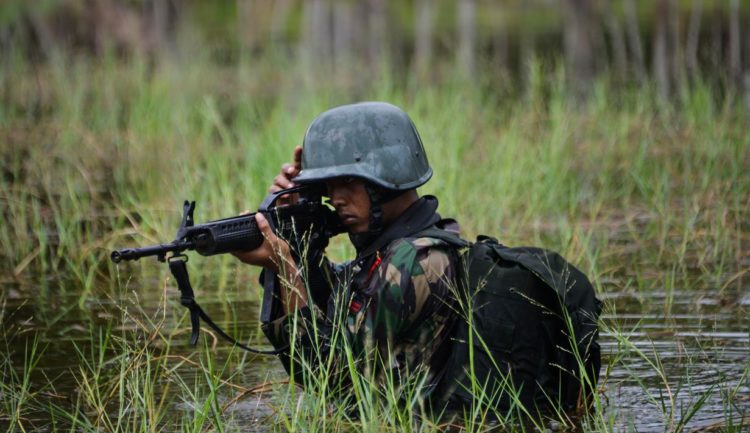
column 274, row 253
column 284, row 179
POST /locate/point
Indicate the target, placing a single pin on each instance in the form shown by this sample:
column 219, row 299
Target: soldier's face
column 349, row 196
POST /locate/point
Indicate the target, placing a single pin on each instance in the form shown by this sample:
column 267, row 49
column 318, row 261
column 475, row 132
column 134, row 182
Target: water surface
column 668, row 358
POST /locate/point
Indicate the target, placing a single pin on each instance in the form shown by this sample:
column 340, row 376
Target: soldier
column 399, row 308
column 392, row 305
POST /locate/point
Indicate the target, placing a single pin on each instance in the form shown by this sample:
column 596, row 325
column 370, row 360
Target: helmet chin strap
column 378, row 197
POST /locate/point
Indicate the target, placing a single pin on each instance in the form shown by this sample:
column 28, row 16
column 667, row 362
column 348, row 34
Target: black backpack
column 532, row 333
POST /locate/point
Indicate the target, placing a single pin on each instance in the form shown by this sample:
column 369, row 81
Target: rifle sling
column 187, row 299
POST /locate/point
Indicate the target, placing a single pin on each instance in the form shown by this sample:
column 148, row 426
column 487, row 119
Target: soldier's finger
column 246, row 212
column 277, row 245
column 286, row 169
column 263, row 226
column 289, row 170
column 282, row 182
column 298, row 158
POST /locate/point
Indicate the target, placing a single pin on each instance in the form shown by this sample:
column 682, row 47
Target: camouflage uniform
column 392, row 308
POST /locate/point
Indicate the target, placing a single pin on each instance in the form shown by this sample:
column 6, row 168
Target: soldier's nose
column 337, row 197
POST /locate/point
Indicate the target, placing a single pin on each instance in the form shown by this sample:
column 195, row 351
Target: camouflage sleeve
column 308, row 328
column 409, row 305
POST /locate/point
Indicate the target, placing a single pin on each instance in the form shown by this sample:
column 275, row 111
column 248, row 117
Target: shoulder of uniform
column 420, row 257
column 416, row 243
column 426, row 242
column 424, row 251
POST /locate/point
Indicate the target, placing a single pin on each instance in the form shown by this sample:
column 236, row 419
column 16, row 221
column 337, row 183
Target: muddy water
column 676, row 358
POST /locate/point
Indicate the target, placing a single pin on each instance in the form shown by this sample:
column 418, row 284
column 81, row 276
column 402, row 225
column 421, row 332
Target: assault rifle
column 306, row 224
column 308, row 218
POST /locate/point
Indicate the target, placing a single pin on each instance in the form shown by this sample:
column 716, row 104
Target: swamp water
column 671, row 361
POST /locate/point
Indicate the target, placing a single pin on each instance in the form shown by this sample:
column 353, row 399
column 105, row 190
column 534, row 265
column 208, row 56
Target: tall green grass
column 100, row 153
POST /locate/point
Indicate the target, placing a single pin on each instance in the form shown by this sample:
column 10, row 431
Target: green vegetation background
column 637, row 191
column 640, row 193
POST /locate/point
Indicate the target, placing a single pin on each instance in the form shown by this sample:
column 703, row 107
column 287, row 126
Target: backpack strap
column 446, row 236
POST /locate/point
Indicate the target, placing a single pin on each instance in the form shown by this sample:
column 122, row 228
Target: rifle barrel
column 152, row 250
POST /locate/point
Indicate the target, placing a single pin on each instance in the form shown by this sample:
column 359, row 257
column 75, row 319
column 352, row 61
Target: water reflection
column 664, row 353
column 696, row 356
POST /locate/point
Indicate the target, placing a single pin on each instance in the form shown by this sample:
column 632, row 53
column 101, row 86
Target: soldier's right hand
column 284, row 179
column 274, row 253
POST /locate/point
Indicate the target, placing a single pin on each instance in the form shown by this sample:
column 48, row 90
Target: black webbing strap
column 187, row 299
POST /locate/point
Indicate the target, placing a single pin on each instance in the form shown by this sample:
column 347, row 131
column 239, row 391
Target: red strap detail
column 355, row 306
column 375, row 265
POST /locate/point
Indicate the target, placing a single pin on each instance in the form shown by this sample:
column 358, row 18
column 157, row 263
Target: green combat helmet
column 375, row 141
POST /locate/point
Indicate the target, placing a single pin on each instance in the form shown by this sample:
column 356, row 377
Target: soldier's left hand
column 284, row 178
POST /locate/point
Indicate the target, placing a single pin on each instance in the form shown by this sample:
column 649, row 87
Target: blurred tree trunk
column 43, row 32
column 279, row 16
column 596, row 33
column 735, row 60
column 619, row 51
column 257, row 22
column 124, row 27
column 316, row 40
column 159, row 23
column 661, row 68
column 716, row 49
column 746, row 75
column 164, row 17
column 665, row 48
column 634, row 37
column 246, row 24
column 467, row 38
column 678, row 55
column 693, row 38
column 423, row 42
column 526, row 58
column 6, row 43
column 343, row 36
column 579, row 55
column 378, row 28
column 500, row 49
